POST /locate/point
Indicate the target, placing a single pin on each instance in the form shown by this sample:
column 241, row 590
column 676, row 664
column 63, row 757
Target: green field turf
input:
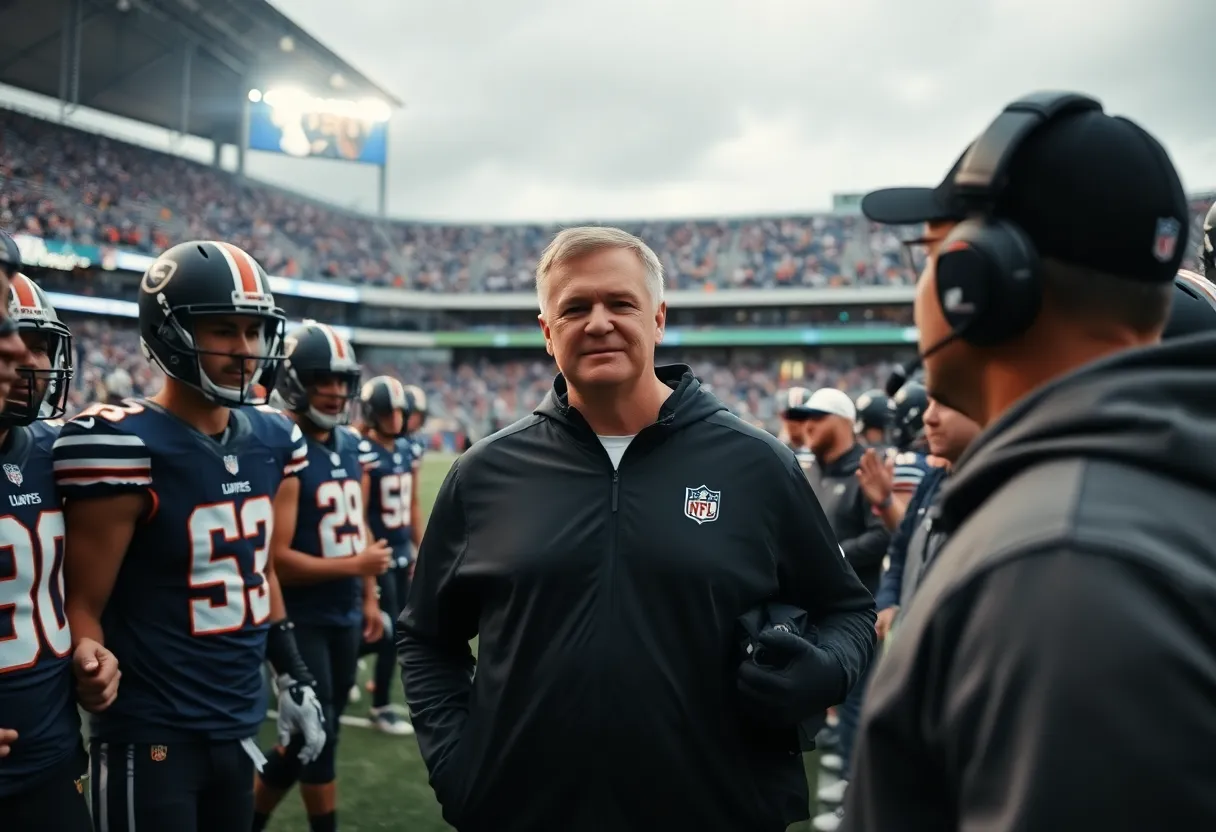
column 382, row 782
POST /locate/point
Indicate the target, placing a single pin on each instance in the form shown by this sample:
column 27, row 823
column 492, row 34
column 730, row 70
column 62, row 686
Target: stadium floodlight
column 294, row 100
column 255, row 96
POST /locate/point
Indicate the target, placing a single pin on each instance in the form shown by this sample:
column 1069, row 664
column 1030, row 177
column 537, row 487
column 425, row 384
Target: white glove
column 300, row 712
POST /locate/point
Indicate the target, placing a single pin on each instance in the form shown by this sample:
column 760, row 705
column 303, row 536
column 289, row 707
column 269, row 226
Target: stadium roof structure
column 185, row 65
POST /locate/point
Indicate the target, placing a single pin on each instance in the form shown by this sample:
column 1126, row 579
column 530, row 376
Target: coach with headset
column 1056, row 668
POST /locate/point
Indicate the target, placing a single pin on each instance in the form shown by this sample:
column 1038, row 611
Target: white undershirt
column 616, row 446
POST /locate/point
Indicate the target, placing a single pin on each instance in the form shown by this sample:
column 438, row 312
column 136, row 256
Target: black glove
column 788, row 679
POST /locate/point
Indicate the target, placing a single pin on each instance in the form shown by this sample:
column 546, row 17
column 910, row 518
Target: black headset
column 989, row 283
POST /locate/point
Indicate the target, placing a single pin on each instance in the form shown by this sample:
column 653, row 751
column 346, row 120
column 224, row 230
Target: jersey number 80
column 25, row 595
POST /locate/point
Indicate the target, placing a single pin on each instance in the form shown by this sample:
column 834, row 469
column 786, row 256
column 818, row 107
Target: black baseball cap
column 912, row 206
column 1089, row 189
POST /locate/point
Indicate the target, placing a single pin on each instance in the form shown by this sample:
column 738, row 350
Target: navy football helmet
column 314, row 353
column 201, row 278
column 907, row 408
column 382, row 395
column 1194, row 306
column 873, row 411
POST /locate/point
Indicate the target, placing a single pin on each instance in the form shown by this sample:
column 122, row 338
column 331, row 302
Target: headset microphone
column 900, row 373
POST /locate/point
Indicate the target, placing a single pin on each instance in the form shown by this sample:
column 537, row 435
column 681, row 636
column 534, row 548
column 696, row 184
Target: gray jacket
column 1066, row 632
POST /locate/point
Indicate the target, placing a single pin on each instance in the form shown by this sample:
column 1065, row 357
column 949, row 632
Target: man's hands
column 300, row 712
column 97, row 674
column 7, row 737
column 876, row 476
column 882, row 625
column 789, row 679
column 373, row 621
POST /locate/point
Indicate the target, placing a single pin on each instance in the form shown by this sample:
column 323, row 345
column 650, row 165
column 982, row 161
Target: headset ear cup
column 988, row 281
column 963, row 278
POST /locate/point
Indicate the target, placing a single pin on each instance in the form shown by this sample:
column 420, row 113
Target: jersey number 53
column 210, row 567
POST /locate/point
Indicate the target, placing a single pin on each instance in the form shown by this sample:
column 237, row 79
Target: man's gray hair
column 572, row 243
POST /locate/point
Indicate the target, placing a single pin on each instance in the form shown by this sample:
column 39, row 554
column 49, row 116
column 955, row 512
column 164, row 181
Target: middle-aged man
column 1064, row 634
column 603, row 550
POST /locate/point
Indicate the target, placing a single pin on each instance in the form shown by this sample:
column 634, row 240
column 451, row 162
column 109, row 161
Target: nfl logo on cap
column 13, row 472
column 232, row 464
column 1166, row 241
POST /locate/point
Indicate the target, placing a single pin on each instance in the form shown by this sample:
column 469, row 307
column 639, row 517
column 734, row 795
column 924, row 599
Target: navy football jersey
column 392, row 493
column 910, row 469
column 331, row 523
column 37, row 699
column 188, row 614
column 417, row 448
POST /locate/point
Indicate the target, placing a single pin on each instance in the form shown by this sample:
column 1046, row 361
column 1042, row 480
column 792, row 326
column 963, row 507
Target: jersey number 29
column 342, row 502
column 25, row 595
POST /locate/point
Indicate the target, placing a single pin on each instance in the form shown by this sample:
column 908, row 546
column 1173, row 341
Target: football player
column 1207, row 247
column 40, row 786
column 321, row 552
column 890, row 479
column 391, row 511
column 168, row 504
column 791, row 405
column 873, row 417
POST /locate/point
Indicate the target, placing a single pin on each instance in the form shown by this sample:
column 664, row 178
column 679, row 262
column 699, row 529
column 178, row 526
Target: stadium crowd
column 64, row 184
column 477, row 398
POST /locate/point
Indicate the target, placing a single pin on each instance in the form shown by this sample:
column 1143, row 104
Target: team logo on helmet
column 158, row 276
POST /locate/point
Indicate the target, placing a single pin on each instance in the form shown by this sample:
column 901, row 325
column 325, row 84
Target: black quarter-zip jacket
column 605, row 692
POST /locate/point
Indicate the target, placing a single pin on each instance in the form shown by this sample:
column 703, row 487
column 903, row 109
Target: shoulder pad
column 104, row 418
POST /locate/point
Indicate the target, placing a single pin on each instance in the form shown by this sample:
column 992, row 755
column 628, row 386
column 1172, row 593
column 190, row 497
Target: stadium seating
column 64, row 184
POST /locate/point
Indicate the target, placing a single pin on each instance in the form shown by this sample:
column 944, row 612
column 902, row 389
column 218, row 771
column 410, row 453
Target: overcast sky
column 576, row 109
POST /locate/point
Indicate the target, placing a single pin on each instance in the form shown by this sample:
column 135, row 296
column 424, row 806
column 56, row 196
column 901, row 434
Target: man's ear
column 544, row 328
column 660, row 322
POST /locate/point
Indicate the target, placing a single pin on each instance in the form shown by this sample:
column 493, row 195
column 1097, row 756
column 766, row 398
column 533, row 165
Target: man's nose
column 599, row 322
column 248, row 346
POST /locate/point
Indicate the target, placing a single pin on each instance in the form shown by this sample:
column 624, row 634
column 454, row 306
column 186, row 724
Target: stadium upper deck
column 64, row 184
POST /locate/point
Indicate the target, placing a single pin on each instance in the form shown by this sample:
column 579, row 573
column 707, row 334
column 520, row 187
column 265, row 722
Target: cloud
column 575, row 109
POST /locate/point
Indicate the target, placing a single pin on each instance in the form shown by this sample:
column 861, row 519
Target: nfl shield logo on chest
column 702, row 504
column 13, row 472
column 231, row 464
